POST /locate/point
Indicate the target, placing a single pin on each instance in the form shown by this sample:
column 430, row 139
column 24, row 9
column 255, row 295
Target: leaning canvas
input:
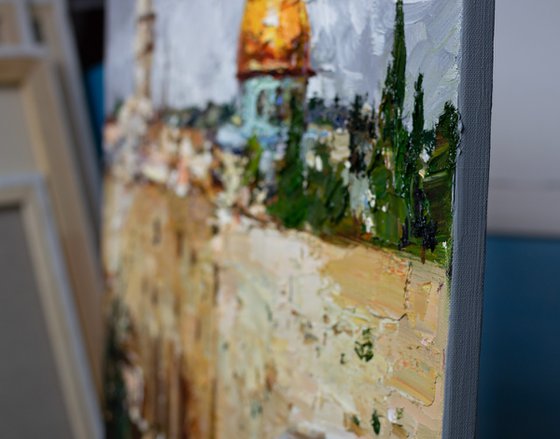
column 280, row 196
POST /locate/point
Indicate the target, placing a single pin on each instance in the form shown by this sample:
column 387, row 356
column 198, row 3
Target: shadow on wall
column 520, row 359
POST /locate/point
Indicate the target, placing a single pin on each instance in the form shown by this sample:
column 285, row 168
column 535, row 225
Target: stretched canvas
column 280, row 196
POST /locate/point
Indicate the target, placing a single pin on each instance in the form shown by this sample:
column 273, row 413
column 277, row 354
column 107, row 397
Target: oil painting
column 279, row 194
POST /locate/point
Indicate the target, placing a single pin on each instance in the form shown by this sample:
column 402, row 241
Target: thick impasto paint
column 278, row 250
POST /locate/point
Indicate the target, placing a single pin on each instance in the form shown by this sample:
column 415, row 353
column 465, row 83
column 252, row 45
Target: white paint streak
column 196, row 48
column 119, row 62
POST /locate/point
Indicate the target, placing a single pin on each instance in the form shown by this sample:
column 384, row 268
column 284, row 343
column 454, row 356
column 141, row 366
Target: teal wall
column 93, row 80
column 520, row 360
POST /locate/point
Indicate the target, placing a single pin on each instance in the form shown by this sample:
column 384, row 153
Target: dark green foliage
column 290, row 206
column 418, row 136
column 446, row 141
column 364, row 346
column 397, row 81
column 322, row 199
column 375, row 423
column 355, row 128
column 117, row 421
column 254, row 152
column 318, row 111
column 421, row 223
column 208, row 118
column 399, row 58
column 362, row 130
column 327, row 195
column 388, row 165
column 403, row 214
column 392, row 100
column 412, row 200
column 438, row 183
column 364, row 351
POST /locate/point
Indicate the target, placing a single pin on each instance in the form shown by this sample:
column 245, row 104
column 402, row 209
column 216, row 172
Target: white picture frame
column 46, row 147
column 28, row 194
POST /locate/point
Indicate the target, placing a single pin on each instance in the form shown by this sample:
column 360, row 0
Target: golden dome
column 274, row 39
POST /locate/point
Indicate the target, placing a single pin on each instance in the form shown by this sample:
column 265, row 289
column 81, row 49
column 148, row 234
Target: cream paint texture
column 258, row 327
column 299, row 305
column 196, row 48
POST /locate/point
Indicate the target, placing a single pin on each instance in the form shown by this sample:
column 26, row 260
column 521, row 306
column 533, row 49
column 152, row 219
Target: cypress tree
column 387, row 167
column 417, row 137
column 417, row 204
column 358, row 128
column 392, row 100
column 400, row 134
column 290, row 206
column 399, row 58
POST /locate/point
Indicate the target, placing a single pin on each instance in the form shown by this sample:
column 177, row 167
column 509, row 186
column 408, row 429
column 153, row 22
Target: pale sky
column 196, row 46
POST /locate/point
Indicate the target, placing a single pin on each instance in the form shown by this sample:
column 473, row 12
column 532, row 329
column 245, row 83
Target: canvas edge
column 28, row 193
column 469, row 224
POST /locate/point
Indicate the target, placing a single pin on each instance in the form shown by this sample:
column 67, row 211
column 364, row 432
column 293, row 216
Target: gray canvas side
column 469, row 228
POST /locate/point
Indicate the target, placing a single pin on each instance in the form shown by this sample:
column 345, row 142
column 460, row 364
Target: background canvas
column 196, row 49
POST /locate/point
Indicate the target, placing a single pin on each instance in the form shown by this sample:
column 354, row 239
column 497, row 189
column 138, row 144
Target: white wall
column 525, row 157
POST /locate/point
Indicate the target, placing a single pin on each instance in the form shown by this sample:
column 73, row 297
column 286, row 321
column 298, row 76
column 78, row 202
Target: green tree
column 327, row 195
column 400, row 137
column 359, row 126
column 418, row 208
column 392, row 100
column 290, row 205
column 438, row 183
column 387, row 167
column 253, row 152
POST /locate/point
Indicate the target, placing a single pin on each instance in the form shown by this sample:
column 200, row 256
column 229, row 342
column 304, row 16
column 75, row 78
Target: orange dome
column 274, row 39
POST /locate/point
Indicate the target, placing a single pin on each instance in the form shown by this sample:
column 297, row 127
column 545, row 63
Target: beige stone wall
column 158, row 264
column 253, row 332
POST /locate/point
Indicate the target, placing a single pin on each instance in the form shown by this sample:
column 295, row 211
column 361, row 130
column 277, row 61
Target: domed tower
column 273, row 64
